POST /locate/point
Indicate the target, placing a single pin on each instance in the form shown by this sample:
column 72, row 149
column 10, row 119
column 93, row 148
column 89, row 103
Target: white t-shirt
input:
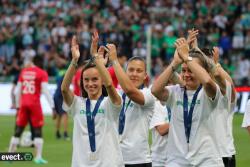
column 108, row 152
column 223, row 124
column 159, row 143
column 201, row 150
column 134, row 140
column 246, row 119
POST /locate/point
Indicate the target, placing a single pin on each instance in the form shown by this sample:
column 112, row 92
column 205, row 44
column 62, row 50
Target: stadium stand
column 31, row 28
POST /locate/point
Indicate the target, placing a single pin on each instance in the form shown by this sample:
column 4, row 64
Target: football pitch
column 58, row 152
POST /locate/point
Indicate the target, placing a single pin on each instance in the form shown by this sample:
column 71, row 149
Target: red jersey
column 76, row 82
column 31, row 79
column 113, row 76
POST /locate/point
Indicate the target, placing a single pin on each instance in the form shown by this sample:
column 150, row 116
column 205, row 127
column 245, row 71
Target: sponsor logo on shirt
column 180, row 103
column 100, row 111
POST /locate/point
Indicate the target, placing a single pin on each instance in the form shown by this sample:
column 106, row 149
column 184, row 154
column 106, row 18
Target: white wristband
column 114, row 62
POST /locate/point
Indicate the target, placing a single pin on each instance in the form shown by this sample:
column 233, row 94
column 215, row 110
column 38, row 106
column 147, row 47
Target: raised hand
column 192, row 38
column 182, row 48
column 101, row 55
column 216, row 54
column 111, row 49
column 94, row 43
column 101, row 51
column 177, row 60
column 75, row 48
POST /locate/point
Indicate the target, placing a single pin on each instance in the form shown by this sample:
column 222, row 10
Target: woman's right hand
column 177, row 59
column 112, row 52
column 94, row 43
column 75, row 49
column 216, row 54
column 182, row 48
column 192, row 38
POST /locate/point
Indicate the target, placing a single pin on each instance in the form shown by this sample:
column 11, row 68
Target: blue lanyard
column 188, row 115
column 91, row 121
column 169, row 113
column 122, row 115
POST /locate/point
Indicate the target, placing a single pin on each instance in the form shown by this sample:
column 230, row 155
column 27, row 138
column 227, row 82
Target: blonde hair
column 195, row 53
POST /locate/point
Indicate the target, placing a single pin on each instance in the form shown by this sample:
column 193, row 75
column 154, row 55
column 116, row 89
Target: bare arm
column 13, row 99
column 221, row 75
column 176, row 79
column 201, row 74
column 67, row 94
column 225, row 75
column 162, row 129
column 128, row 87
column 214, row 71
column 113, row 95
column 192, row 41
column 158, row 88
column 18, row 92
column 192, row 38
column 220, row 80
column 98, row 59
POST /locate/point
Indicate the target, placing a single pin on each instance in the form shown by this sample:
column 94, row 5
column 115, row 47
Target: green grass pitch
column 59, row 152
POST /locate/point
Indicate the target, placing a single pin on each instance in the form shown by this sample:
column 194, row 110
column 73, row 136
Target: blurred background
column 45, row 28
column 146, row 28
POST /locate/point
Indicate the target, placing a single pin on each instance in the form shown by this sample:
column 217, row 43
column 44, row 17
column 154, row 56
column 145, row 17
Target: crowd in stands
column 44, row 28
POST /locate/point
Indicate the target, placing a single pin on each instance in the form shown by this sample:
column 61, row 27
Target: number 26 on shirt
column 28, row 87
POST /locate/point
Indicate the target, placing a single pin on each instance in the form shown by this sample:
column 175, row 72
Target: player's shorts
column 32, row 113
column 181, row 162
column 229, row 161
column 139, row 165
column 58, row 105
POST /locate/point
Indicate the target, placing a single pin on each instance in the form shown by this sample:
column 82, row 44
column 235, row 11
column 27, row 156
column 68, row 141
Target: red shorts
column 30, row 113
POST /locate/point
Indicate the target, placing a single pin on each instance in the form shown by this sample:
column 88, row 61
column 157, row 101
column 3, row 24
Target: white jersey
column 134, row 140
column 246, row 119
column 223, row 124
column 201, row 150
column 107, row 152
column 159, row 143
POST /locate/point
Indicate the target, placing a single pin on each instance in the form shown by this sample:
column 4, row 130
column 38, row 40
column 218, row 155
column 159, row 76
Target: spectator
column 47, row 26
column 139, row 50
column 246, row 119
column 244, row 69
column 225, row 43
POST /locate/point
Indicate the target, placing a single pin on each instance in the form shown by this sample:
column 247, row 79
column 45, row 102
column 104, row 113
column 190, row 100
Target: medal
column 91, row 126
column 188, row 115
column 92, row 156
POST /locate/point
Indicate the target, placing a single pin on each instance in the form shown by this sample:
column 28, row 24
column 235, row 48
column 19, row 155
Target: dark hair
column 84, row 93
column 208, row 52
column 139, row 59
column 38, row 61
